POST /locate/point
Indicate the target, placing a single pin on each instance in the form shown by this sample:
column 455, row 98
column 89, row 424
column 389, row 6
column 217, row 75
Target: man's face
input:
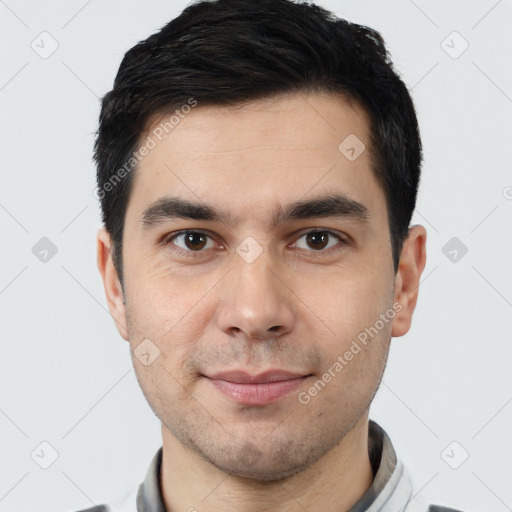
column 230, row 294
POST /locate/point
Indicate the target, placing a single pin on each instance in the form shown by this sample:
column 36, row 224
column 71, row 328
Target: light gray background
column 67, row 377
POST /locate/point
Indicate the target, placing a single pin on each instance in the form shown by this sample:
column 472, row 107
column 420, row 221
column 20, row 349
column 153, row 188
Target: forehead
column 260, row 155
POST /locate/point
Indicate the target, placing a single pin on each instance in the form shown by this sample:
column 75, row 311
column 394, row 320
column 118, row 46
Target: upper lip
column 241, row 377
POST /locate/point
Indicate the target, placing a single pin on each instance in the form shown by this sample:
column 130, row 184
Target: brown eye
column 317, row 240
column 195, row 241
column 192, row 241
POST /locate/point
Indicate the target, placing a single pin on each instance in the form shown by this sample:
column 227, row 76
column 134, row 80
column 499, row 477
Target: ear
column 111, row 283
column 407, row 279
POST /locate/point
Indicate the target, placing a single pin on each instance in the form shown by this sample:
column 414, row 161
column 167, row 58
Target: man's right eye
column 191, row 241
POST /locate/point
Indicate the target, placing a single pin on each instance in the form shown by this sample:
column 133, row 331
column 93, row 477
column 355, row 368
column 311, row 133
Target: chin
column 251, row 463
column 262, row 474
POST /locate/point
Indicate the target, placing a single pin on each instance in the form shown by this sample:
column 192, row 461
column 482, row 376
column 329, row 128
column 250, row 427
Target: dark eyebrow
column 336, row 205
column 169, row 207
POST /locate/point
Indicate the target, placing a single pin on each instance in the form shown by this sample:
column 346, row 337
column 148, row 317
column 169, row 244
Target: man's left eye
column 193, row 241
column 317, row 240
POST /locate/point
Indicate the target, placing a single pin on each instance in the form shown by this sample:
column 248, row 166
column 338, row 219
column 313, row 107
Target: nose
column 257, row 303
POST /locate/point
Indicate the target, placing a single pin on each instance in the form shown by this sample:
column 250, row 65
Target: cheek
column 356, row 347
column 347, row 302
column 171, row 323
column 169, row 307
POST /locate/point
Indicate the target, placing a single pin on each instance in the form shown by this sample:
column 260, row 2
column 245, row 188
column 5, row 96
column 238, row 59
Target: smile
column 262, row 389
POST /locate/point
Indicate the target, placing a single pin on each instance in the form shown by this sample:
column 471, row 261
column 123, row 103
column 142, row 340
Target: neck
column 335, row 482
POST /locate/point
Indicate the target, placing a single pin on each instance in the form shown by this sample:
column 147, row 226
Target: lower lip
column 257, row 394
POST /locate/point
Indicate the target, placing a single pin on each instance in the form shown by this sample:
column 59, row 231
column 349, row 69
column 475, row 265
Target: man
column 258, row 164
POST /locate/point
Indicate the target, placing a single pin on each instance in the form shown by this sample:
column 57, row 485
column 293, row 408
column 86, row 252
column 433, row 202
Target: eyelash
column 194, row 254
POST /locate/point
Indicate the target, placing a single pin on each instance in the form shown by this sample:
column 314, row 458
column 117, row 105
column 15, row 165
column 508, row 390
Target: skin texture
column 294, row 307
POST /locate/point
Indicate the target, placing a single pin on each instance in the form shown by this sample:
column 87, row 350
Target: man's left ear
column 407, row 279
